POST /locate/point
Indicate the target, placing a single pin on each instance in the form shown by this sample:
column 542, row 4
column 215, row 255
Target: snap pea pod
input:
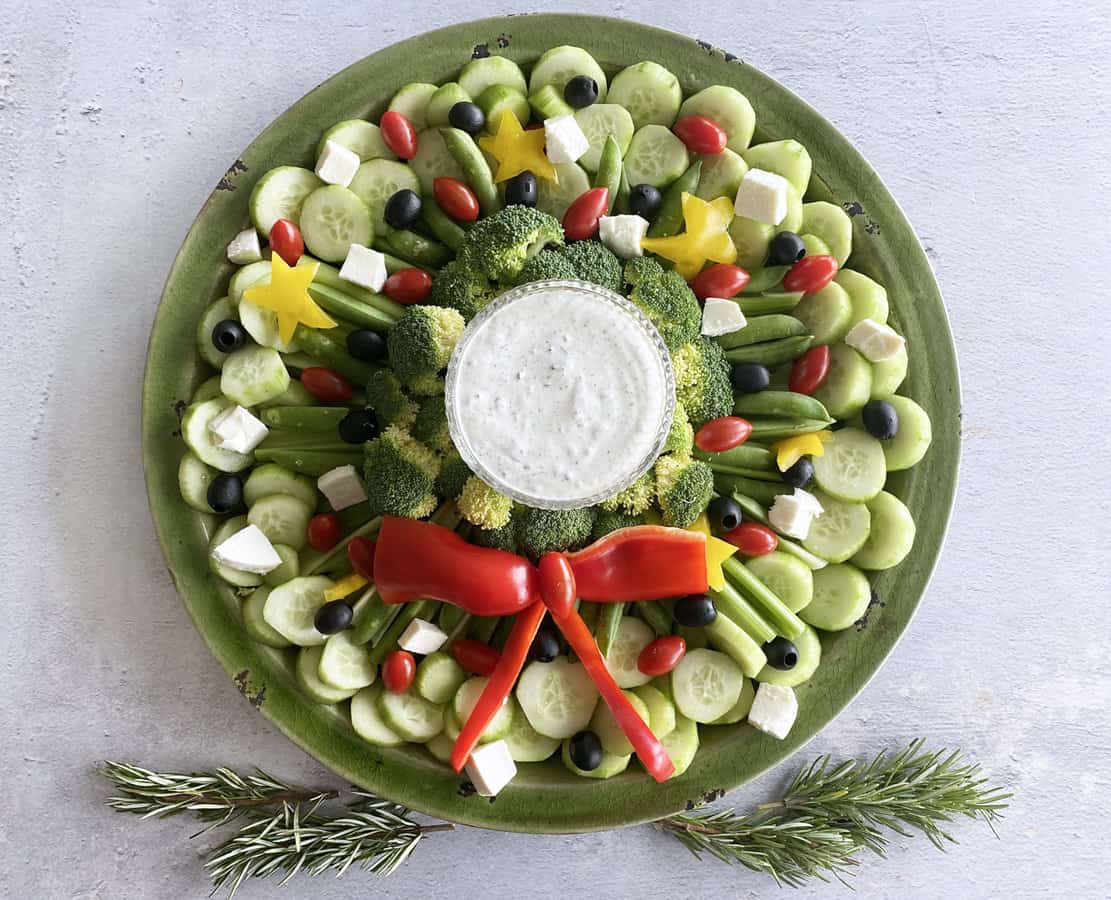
column 350, row 309
column 774, row 610
column 777, row 429
column 317, row 441
column 318, row 561
column 743, row 456
column 771, row 353
column 329, row 277
column 451, row 617
column 728, row 637
column 354, row 516
column 418, row 609
column 310, row 462
column 762, row 328
column 418, row 250
column 333, row 355
column 482, row 628
column 501, row 633
column 657, row 617
column 669, row 220
column 779, row 404
column 768, row 304
column 755, row 511
column 756, row 474
column 761, row 280
column 610, row 171
column 373, row 616
column 304, row 418
column 443, row 228
column 764, row 491
column 462, row 146
column 730, row 603
column 608, row 621
column 621, row 202
column 396, row 264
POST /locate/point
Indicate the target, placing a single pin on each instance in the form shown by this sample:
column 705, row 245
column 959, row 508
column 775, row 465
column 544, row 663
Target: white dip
column 556, row 394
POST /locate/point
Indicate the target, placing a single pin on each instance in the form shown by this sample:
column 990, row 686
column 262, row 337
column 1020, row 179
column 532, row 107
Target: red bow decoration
column 418, row 559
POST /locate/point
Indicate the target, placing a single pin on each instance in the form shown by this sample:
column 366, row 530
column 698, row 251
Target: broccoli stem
column 728, row 637
column 730, row 603
column 608, row 622
column 782, row 619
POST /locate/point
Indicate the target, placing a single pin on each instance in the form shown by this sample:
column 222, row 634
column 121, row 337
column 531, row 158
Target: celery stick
column 606, row 629
column 730, row 638
column 418, row 609
column 316, row 561
column 754, row 510
column 781, row 618
column 732, row 604
column 482, row 628
column 657, row 617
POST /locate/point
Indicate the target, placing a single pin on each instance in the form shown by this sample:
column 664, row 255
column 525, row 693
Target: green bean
column 396, row 264
column 779, row 404
column 756, row 512
column 762, row 328
column 333, row 355
column 440, row 224
column 350, row 309
column 670, row 217
column 310, row 462
column 771, row 353
column 318, row 561
column 418, row 609
column 304, row 418
column 482, row 628
column 329, row 277
column 621, row 202
column 764, row 491
column 657, row 617
column 608, row 622
column 462, row 146
column 610, row 171
column 775, row 610
column 419, row 251
column 776, row 429
column 728, row 637
column 372, row 616
column 768, row 304
column 744, row 456
column 761, row 280
column 730, row 603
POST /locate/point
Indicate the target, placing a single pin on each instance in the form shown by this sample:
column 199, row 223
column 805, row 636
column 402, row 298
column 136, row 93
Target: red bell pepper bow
column 641, row 563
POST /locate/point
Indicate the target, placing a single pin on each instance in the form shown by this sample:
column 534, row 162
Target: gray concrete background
column 990, row 123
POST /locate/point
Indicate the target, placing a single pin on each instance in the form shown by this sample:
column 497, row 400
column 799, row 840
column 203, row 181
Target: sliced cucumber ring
column 291, row 609
column 560, row 64
column 888, row 374
column 193, row 479
column 412, row 102
column 649, row 92
column 609, row 766
column 209, row 389
column 661, row 711
column 655, row 156
column 603, row 724
column 525, row 743
column 250, row 275
column 555, row 198
column 869, row 297
column 270, row 478
column 839, row 531
column 379, row 179
column 439, row 104
column 633, row 635
column 287, row 570
column 262, row 325
column 848, row 384
column 681, row 744
column 439, row 677
column 911, row 441
column 345, row 664
column 705, row 685
column 433, row 159
column 741, row 707
column 751, row 238
column 232, row 576
column 786, row 576
column 332, row 219
column 721, row 177
column 598, row 122
column 831, row 224
column 557, row 697
column 308, row 663
column 891, row 536
column 410, row 715
column 729, row 108
column 255, row 625
column 788, row 158
column 362, row 138
column 219, row 311
column 841, row 597
column 441, row 747
column 197, row 437
column 826, row 313
column 479, row 74
column 853, row 467
column 279, row 195
column 466, row 698
column 253, row 375
column 810, row 654
column 368, row 722
column 284, row 519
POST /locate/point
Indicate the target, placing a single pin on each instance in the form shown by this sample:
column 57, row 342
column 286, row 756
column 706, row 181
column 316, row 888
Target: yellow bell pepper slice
column 518, row 150
column 790, row 450
column 706, row 238
column 717, row 552
column 345, row 587
column 287, row 294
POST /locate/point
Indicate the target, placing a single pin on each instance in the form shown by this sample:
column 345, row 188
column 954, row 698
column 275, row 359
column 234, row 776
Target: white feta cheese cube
column 774, row 710
column 337, row 164
column 364, row 267
column 245, row 248
column 793, row 515
column 564, row 141
column 342, row 486
column 491, row 768
column 762, row 196
column 236, row 429
column 422, row 637
column 248, row 550
column 876, row 341
column 808, row 499
column 623, row 234
column 721, row 317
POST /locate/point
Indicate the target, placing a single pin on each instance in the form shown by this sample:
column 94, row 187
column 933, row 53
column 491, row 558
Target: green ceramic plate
column 544, row 797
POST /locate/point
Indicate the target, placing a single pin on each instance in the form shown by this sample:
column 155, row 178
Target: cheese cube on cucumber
column 244, row 248
column 253, row 375
column 564, row 139
column 337, row 164
column 792, row 514
column 491, row 768
column 774, row 710
column 878, row 342
column 237, row 430
column 342, row 487
column 364, row 267
column 421, row 637
column 623, row 234
column 248, row 550
column 762, row 196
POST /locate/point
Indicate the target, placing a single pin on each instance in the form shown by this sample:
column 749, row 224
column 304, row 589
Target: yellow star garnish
column 518, row 150
column 706, row 237
column 790, row 450
column 345, row 586
column 287, row 294
column 717, row 552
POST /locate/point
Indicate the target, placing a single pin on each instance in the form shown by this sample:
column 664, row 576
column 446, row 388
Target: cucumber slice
column 839, row 531
column 891, row 535
column 439, row 104
column 253, row 375
column 655, row 156
column 480, row 74
column 197, row 437
column 412, row 102
column 255, row 625
column 291, row 609
column 831, row 224
column 464, row 703
column 262, row 325
column 410, row 716
column 439, row 677
column 294, row 395
column 557, row 697
column 193, row 479
column 751, row 238
column 379, row 179
column 279, row 195
column 603, row 724
column 525, row 743
column 721, row 177
column 362, row 138
column 793, row 220
column 452, row 728
column 786, row 576
column 548, row 103
column 248, row 276
column 852, row 468
column 913, row 438
column 219, row 311
column 432, row 160
column 273, row 479
column 209, row 389
column 849, row 383
column 841, row 597
column 289, row 568
column 826, row 314
column 367, row 721
column 705, row 685
column 333, row 218
column 729, row 108
column 609, row 766
column 788, row 158
column 555, row 198
column 560, row 64
column 868, row 297
column 282, row 518
column 227, row 573
column 631, row 638
column 498, row 99
column 308, row 662
column 741, row 707
column 810, row 654
column 681, row 744
column 440, row 747
column 888, row 375
column 815, row 246
column 598, row 122
column 661, row 711
column 649, row 92
column 345, row 664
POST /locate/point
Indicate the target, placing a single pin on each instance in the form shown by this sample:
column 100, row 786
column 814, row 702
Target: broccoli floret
column 458, row 287
column 546, row 265
column 684, row 488
column 680, row 439
column 500, row 245
column 385, row 395
column 545, row 530
column 400, row 475
column 453, row 475
column 636, row 498
column 702, row 380
column 666, row 299
column 481, row 505
column 596, row 263
column 430, row 425
column 504, row 538
column 420, row 344
column 607, row 521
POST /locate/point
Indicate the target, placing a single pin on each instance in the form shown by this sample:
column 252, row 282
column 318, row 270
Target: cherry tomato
column 324, row 532
column 662, row 655
column 326, row 385
column 723, row 433
column 700, row 134
column 809, row 370
column 753, row 539
column 286, row 241
column 360, row 551
column 557, row 583
column 398, row 670
column 399, row 134
column 408, row 286
column 581, row 219
column 455, row 198
column 722, row 280
column 810, row 274
column 475, row 656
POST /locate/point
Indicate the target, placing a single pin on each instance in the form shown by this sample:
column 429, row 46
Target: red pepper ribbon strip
column 644, row 562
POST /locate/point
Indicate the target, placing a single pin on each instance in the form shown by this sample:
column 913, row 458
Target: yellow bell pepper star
column 518, row 150
column 706, row 237
column 287, row 294
column 717, row 552
column 345, row 586
column 790, row 450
